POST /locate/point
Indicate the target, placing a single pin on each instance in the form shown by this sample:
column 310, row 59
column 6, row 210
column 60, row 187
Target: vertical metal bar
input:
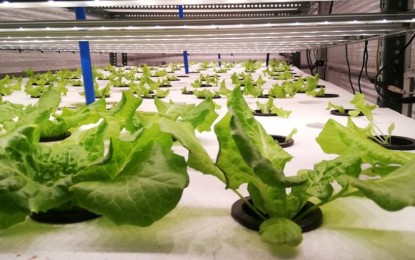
column 124, row 59
column 86, row 65
column 220, row 63
column 113, row 59
column 267, row 60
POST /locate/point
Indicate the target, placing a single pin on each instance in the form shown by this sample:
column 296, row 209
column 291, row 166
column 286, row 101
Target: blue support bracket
column 181, row 12
column 86, row 64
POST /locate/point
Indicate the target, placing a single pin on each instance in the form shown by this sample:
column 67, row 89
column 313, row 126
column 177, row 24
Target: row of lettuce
column 119, row 163
column 147, row 81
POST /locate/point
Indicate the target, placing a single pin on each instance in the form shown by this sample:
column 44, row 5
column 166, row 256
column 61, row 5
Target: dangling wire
column 363, row 66
column 366, row 61
column 348, row 68
column 310, row 66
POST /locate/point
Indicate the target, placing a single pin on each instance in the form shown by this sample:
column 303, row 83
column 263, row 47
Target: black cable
column 348, row 67
column 310, row 63
column 325, row 64
column 331, row 7
column 361, row 72
column 378, row 88
column 366, row 61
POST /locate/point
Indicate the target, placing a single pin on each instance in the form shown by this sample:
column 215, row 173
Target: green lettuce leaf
column 37, row 177
column 172, row 110
column 198, row 158
column 155, row 178
column 337, row 139
column 124, row 111
column 201, row 116
column 248, row 126
column 281, row 231
column 393, row 191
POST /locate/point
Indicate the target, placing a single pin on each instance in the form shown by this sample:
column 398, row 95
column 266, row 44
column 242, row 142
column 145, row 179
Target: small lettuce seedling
column 359, row 102
column 197, row 83
column 8, row 85
column 162, row 93
column 200, row 116
column 223, row 90
column 269, row 107
column 291, row 134
column 206, row 93
column 282, row 91
column 251, row 88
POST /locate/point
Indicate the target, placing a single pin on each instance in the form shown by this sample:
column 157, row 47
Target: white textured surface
column 201, row 226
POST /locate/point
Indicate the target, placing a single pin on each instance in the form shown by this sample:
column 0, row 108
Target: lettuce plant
column 171, row 77
column 251, row 88
column 186, row 91
column 160, row 73
column 43, row 114
column 291, row 134
column 310, row 86
column 162, row 93
column 286, row 89
column 200, row 116
column 372, row 130
column 99, row 92
column 316, row 92
column 247, row 155
column 8, row 85
column 206, row 93
column 270, row 108
column 223, row 90
column 80, row 172
column 251, row 65
column 285, row 75
column 340, row 108
column 76, row 172
column 221, row 70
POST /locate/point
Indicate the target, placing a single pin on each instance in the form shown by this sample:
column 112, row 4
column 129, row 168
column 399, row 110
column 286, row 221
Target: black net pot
column 45, row 139
column 263, row 96
column 336, row 112
column 280, row 139
column 73, row 215
column 245, row 216
column 258, row 112
column 215, row 97
column 151, row 97
column 398, row 143
column 328, row 95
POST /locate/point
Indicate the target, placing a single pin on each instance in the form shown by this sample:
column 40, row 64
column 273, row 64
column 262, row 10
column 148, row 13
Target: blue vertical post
column 85, row 61
column 185, row 60
column 220, row 63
